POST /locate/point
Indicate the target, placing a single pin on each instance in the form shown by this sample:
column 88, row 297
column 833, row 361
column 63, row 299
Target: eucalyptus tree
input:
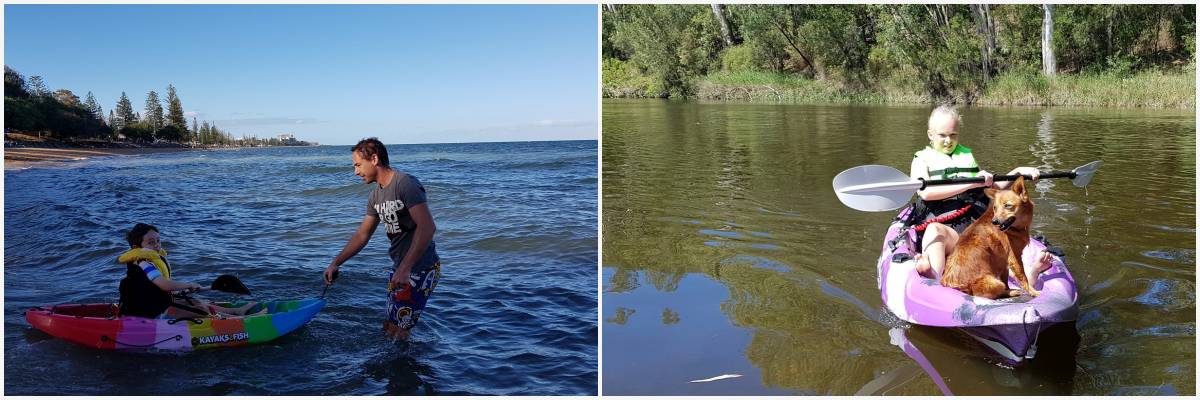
column 719, row 14
column 671, row 43
column 938, row 44
column 986, row 26
column 1049, row 65
column 779, row 27
column 67, row 98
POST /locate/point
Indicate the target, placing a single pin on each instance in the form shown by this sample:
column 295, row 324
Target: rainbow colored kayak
column 96, row 325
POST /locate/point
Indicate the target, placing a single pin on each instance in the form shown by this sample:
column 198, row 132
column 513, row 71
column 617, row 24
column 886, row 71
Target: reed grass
column 1148, row 89
column 1175, row 88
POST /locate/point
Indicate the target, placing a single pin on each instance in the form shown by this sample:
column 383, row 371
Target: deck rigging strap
column 105, row 338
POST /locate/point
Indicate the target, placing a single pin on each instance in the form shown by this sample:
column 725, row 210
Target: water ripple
column 514, row 314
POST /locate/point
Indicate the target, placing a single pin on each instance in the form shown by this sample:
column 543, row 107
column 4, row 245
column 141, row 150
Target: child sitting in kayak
column 147, row 288
column 958, row 205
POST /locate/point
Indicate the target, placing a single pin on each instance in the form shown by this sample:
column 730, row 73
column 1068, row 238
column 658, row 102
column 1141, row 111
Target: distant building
column 286, row 137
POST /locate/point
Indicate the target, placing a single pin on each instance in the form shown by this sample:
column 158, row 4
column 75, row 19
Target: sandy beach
column 25, row 157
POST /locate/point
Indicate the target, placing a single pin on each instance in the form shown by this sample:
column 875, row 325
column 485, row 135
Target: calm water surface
column 727, row 252
column 515, row 311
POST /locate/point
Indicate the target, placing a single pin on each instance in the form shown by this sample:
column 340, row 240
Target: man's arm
column 356, row 243
column 421, row 238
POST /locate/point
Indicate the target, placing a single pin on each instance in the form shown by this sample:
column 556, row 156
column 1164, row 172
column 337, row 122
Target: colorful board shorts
column 406, row 303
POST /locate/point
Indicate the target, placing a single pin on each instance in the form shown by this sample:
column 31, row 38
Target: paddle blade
column 229, row 284
column 874, row 188
column 1083, row 175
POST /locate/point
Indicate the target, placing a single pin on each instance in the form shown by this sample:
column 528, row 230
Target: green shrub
column 738, row 59
column 621, row 78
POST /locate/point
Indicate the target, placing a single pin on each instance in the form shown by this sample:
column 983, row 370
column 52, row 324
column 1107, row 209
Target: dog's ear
column 991, row 193
column 1018, row 186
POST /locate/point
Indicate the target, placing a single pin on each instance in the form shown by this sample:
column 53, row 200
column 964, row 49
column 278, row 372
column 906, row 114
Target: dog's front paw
column 1034, row 293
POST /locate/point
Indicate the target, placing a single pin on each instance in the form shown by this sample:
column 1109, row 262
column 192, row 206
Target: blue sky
column 329, row 73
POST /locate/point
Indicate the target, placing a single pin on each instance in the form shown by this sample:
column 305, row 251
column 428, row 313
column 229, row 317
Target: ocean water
column 514, row 313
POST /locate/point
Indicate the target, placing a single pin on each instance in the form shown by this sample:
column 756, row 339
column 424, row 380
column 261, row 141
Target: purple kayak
column 1010, row 327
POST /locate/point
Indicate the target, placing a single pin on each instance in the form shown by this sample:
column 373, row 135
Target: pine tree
column 37, row 87
column 175, row 109
column 204, row 133
column 124, row 116
column 154, row 112
column 195, row 129
column 92, row 106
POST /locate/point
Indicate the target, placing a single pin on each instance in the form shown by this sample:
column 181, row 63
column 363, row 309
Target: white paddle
column 883, row 188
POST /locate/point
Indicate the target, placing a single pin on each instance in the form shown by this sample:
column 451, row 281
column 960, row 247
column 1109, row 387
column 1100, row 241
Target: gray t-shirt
column 391, row 204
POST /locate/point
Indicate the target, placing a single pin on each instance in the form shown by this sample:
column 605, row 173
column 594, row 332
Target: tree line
column 952, row 51
column 30, row 107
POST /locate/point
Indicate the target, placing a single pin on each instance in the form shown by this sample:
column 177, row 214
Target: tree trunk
column 1108, row 26
column 987, row 28
column 719, row 12
column 792, row 42
column 1048, row 64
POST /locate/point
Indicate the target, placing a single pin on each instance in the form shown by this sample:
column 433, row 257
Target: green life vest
column 960, row 163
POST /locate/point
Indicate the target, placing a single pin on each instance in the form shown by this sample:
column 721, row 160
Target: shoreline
column 16, row 158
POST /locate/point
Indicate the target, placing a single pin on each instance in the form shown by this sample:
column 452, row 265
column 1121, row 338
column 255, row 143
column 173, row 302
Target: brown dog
column 990, row 249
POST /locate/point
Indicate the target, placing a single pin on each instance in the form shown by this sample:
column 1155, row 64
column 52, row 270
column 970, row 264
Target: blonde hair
column 944, row 111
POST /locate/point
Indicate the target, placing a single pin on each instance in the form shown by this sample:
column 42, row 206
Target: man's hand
column 399, row 278
column 330, row 274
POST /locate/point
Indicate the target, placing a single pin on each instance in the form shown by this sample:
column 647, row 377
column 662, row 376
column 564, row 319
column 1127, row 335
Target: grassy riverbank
column 1149, row 89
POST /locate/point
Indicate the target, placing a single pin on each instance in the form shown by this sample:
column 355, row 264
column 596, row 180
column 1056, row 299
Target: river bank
column 1153, row 89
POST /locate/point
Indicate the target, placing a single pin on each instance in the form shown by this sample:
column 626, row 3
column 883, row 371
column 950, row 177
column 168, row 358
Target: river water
column 726, row 252
column 515, row 311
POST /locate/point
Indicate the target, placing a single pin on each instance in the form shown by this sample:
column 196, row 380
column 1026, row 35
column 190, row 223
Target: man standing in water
column 399, row 201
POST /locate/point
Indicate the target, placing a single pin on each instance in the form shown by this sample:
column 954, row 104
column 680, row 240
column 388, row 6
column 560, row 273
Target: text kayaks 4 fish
column 99, row 326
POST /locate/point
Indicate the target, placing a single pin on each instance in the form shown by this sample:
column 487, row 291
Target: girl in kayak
column 147, row 288
column 946, row 158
